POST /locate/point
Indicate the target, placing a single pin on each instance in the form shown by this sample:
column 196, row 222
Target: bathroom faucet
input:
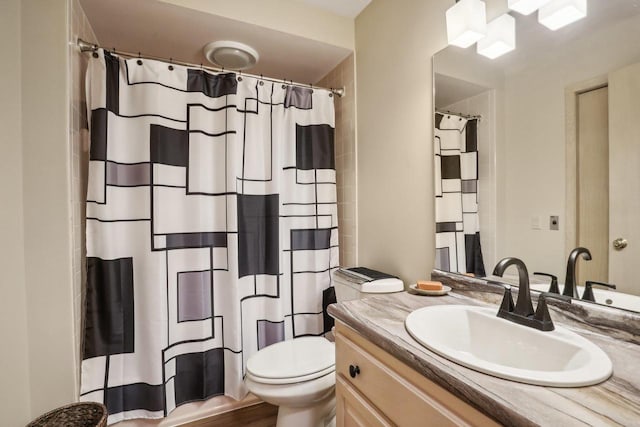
column 553, row 287
column 588, row 291
column 570, row 288
column 522, row 313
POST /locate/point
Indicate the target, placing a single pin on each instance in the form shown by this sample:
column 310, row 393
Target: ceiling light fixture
column 558, row 13
column 231, row 55
column 466, row 22
column 526, row 7
column 500, row 38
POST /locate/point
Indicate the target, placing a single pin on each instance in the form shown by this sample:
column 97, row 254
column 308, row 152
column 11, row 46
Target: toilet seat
column 287, row 362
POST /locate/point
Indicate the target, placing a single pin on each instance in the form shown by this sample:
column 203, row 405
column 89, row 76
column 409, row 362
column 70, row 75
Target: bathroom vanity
column 385, row 377
column 373, row 388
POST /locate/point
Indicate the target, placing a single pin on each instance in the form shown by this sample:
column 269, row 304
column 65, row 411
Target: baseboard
column 259, row 415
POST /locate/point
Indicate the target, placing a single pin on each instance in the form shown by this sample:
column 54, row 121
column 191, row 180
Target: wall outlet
column 554, row 222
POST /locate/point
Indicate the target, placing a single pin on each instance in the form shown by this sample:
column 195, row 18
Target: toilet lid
column 306, row 358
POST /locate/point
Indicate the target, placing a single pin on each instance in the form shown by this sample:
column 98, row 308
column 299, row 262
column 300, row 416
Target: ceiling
column 348, row 8
column 451, row 90
column 160, row 29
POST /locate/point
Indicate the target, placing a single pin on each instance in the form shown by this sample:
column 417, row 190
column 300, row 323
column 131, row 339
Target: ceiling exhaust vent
column 231, row 55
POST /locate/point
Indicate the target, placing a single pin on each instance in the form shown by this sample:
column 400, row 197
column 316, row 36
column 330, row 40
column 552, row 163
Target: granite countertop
column 613, row 402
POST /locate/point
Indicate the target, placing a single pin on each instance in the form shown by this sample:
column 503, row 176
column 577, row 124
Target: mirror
column 558, row 137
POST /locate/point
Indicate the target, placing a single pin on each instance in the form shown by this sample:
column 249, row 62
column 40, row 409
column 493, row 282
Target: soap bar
column 427, row 285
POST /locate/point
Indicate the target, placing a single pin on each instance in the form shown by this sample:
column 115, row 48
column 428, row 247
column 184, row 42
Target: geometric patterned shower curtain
column 211, row 229
column 458, row 246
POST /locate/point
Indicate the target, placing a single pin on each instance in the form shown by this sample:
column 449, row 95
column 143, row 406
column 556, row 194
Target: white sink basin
column 474, row 337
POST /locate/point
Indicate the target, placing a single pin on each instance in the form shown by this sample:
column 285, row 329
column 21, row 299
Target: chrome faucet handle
column 588, row 291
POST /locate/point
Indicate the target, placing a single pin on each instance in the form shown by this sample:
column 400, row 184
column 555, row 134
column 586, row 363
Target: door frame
column 571, row 153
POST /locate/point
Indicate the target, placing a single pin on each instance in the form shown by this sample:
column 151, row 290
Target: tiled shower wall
column 79, row 27
column 345, row 146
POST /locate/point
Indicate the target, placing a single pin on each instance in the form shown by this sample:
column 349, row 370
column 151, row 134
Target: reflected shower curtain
column 456, row 180
column 211, row 229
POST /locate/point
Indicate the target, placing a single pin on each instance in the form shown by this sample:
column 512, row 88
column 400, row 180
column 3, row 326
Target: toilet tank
column 357, row 283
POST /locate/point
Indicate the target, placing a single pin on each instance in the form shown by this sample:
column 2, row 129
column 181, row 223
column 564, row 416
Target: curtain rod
column 90, row 47
column 466, row 116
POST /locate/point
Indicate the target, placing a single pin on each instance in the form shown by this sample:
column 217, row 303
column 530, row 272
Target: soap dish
column 445, row 290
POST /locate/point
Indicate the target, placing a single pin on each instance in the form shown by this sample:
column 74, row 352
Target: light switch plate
column 535, row 222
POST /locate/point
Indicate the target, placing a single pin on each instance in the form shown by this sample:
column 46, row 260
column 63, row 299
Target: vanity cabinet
column 374, row 388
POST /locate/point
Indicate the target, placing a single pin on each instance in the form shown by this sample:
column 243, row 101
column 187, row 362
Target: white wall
column 534, row 149
column 36, row 315
column 47, row 215
column 14, row 391
column 78, row 27
column 454, row 62
column 394, row 46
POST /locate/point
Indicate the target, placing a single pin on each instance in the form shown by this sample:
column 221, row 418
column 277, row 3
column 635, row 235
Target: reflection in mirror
column 557, row 123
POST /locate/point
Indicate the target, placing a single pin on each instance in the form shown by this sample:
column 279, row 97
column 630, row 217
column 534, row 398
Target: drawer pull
column 354, row 370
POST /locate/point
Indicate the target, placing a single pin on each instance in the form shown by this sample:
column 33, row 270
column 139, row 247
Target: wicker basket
column 83, row 414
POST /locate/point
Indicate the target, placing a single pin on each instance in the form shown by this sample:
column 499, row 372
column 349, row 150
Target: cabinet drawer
column 403, row 395
column 353, row 410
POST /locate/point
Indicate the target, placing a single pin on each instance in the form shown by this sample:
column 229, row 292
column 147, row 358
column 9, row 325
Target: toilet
column 299, row 375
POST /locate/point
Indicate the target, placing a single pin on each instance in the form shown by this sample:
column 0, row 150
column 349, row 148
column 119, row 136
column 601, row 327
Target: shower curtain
column 458, row 246
column 211, row 229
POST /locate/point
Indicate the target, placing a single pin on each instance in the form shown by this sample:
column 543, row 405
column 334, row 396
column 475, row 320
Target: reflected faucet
column 570, row 288
column 588, row 291
column 523, row 313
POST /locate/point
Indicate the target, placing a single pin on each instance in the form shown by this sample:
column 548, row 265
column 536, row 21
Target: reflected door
column 593, row 183
column 624, row 177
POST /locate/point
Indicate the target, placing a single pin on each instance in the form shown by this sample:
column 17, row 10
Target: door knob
column 620, row 243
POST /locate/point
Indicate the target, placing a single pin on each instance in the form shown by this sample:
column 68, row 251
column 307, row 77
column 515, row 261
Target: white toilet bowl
column 299, row 377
